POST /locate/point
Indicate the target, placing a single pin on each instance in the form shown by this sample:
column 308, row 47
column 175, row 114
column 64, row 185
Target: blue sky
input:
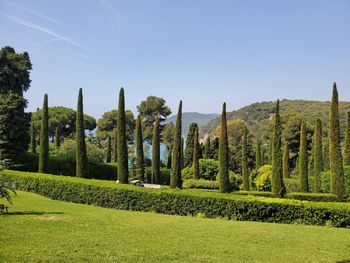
column 203, row 52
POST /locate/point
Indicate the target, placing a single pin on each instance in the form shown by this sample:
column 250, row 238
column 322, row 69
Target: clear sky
column 203, row 52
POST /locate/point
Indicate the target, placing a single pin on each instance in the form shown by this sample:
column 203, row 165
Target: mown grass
column 42, row 230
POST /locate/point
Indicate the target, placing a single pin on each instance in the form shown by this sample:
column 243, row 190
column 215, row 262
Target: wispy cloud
column 28, row 10
column 44, row 30
column 109, row 6
column 74, row 53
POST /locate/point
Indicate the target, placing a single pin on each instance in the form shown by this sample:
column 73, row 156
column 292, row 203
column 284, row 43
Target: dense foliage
column 177, row 155
column 44, row 138
column 223, row 154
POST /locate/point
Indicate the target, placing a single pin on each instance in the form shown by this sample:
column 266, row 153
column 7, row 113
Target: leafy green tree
column 32, row 146
column 139, row 150
column 303, row 172
column 207, row 153
column 122, row 149
column 156, row 153
column 258, row 156
column 82, row 166
column 44, row 138
column 175, row 179
column 224, row 182
column 245, row 172
column 109, row 150
column 188, row 157
column 14, row 126
column 195, row 162
column 64, row 119
column 318, row 161
column 168, row 134
column 335, row 155
column 107, row 124
column 277, row 185
column 347, row 141
column 149, row 109
column 285, row 167
column 57, row 138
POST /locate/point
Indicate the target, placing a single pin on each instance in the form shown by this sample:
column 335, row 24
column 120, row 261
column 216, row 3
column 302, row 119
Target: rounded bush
column 261, row 178
column 208, row 169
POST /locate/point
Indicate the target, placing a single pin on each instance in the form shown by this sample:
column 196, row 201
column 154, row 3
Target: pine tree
column 223, row 154
column 277, row 185
column 304, row 184
column 286, row 173
column 347, row 141
column 195, row 162
column 44, row 139
column 57, row 138
column 139, row 150
column 32, row 146
column 82, row 165
column 318, row 161
column 245, row 173
column 326, row 156
column 109, row 150
column 335, row 155
column 156, row 153
column 175, row 179
column 122, row 146
column 207, row 154
column 258, row 156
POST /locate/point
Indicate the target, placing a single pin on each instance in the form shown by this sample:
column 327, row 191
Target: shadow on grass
column 31, row 213
column 343, row 261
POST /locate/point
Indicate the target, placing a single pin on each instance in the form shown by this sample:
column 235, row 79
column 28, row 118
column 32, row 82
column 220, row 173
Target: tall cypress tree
column 207, row 154
column 195, row 161
column 156, row 153
column 115, row 152
column 82, row 165
column 224, row 182
column 326, row 156
column 175, row 179
column 335, row 155
column 304, row 183
column 139, row 150
column 188, row 157
column 270, row 151
column 245, row 173
column 168, row 163
column 286, row 173
column 122, row 146
column 263, row 161
column 258, row 156
column 277, row 185
column 347, row 141
column 109, row 150
column 318, row 161
column 57, row 138
column 32, row 146
column 44, row 139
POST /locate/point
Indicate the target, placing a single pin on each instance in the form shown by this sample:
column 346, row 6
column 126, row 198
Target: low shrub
column 182, row 202
column 260, row 180
column 201, row 184
column 315, row 197
column 292, row 184
column 208, row 169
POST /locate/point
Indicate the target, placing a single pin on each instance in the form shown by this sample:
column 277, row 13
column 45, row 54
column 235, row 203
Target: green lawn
column 43, row 230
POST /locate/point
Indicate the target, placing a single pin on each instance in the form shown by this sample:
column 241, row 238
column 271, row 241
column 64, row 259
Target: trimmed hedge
column 201, row 184
column 182, row 202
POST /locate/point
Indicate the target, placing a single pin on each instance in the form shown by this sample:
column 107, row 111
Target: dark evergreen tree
column 245, row 173
column 168, row 163
column 156, row 153
column 122, row 146
column 188, row 157
column 277, row 185
column 175, row 179
column 195, row 162
column 32, row 146
column 115, row 147
column 139, row 150
column 326, row 156
column 82, row 165
column 303, row 164
column 270, row 151
column 263, row 157
column 224, row 182
column 347, row 141
column 335, row 155
column 318, row 161
column 57, row 138
column 44, row 139
column 109, row 150
column 207, row 154
column 286, row 173
column 258, row 156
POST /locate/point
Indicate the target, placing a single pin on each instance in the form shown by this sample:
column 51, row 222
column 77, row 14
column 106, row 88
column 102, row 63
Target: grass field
column 42, row 230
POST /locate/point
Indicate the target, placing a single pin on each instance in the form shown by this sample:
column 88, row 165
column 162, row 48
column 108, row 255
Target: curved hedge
column 182, row 202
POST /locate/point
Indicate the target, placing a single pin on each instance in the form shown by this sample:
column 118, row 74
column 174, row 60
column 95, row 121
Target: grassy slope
column 40, row 229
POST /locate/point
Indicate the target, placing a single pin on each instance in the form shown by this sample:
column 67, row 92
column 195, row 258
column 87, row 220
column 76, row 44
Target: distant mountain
column 188, row 117
column 257, row 115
